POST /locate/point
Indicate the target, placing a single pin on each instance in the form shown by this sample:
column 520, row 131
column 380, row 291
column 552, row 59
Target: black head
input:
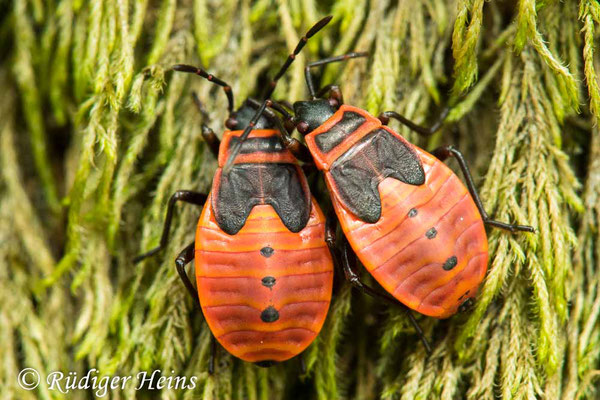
column 311, row 114
column 240, row 118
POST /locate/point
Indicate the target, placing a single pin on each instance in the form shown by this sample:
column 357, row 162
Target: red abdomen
column 264, row 291
column 424, row 241
column 429, row 248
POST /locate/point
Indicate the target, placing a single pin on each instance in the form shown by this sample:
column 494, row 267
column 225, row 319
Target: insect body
column 407, row 216
column 264, row 269
column 410, row 220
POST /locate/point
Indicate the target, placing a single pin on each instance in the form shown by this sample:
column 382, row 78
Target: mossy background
column 96, row 132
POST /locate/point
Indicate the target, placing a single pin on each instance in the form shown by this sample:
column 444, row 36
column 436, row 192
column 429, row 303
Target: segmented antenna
column 311, row 32
column 235, row 149
column 199, row 71
column 325, row 61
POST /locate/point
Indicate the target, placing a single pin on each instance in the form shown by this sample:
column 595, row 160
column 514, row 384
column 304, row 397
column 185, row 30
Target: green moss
column 96, row 133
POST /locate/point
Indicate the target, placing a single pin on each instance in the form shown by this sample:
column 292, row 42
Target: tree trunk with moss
column 96, row 133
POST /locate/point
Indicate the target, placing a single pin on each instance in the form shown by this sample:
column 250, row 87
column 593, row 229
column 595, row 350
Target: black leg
column 384, row 117
column 330, row 225
column 199, row 71
column 237, row 146
column 284, row 103
column 308, row 76
column 207, row 133
column 184, row 258
column 298, row 149
column 180, row 195
column 211, row 139
column 213, row 354
column 351, row 273
column 442, row 153
column 302, row 364
column 348, row 264
column 335, row 95
column 271, row 104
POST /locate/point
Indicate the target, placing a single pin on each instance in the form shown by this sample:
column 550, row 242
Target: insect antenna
column 325, row 61
column 235, row 149
column 200, row 72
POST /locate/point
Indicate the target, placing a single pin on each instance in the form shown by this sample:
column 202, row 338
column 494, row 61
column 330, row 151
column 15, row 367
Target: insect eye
column 231, row 123
column 302, row 127
column 334, row 102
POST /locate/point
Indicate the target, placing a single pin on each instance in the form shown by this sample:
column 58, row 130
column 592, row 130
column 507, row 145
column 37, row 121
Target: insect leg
column 442, row 153
column 335, row 93
column 298, row 149
column 211, row 139
column 180, row 195
column 184, row 258
column 207, row 133
column 348, row 264
column 384, row 117
column 352, row 275
column 302, row 364
column 284, row 103
column 213, row 354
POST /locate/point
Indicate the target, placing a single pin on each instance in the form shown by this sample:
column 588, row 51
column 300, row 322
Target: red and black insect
column 264, row 269
column 410, row 220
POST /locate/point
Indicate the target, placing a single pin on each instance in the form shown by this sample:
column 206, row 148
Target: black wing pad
column 282, row 186
column 358, row 172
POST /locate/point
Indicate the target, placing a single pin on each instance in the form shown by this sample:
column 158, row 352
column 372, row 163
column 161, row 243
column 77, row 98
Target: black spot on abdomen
column 431, row 233
column 268, row 281
column 412, row 213
column 450, row 263
column 267, row 251
column 269, row 314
